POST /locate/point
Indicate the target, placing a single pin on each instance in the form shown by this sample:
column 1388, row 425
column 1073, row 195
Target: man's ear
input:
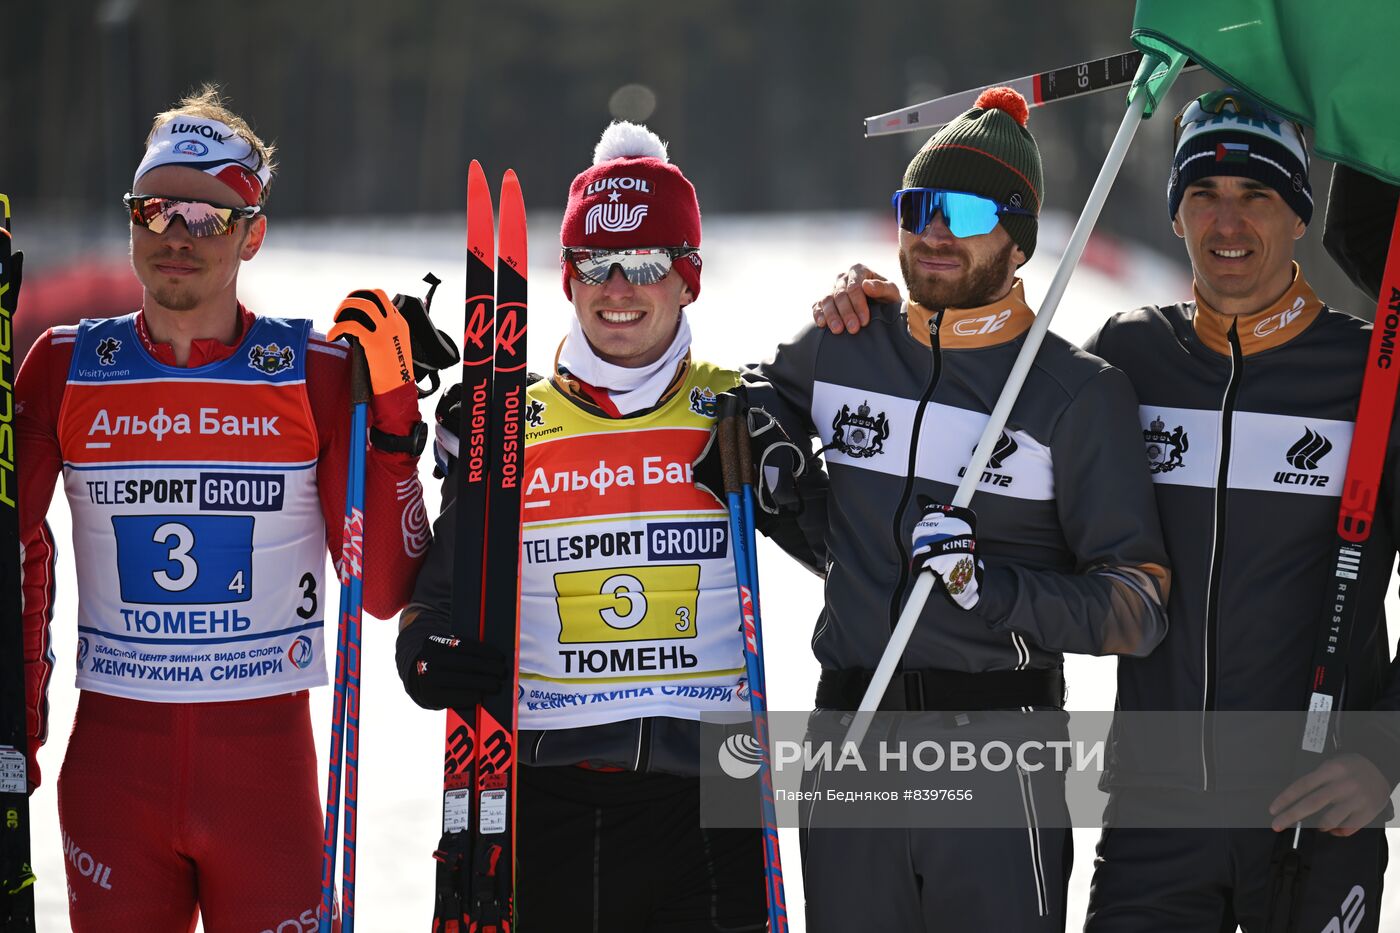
column 253, row 242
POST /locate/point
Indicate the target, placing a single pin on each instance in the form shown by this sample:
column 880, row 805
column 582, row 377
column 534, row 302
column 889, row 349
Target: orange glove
column 370, row 317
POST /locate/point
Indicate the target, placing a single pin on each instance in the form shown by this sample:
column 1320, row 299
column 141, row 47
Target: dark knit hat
column 633, row 196
column 988, row 151
column 1226, row 132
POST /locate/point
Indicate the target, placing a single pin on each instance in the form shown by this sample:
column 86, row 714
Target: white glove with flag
column 945, row 541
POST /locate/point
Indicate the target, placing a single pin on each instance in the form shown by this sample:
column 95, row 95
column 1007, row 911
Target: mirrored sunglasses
column 642, row 266
column 201, row 218
column 965, row 214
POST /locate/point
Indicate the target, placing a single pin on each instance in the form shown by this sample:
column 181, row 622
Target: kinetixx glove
column 945, row 542
column 439, row 670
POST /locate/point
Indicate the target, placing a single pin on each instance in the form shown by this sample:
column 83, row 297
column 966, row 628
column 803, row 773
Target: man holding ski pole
column 1060, row 552
column 1249, row 398
column 204, row 453
column 629, row 626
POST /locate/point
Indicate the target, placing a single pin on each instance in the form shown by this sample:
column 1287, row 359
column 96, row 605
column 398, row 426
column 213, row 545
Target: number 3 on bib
column 627, row 604
column 175, row 559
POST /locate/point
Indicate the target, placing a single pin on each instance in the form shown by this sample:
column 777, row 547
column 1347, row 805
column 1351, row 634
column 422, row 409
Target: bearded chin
column 175, row 299
column 980, row 285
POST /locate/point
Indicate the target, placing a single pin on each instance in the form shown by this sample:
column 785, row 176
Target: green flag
column 1328, row 64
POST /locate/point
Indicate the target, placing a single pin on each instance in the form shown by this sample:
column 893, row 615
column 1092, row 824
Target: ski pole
column 330, row 838
column 737, row 465
column 345, row 714
column 353, row 573
column 991, row 434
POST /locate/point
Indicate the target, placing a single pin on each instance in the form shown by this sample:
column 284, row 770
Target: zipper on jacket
column 901, row 545
column 1217, row 558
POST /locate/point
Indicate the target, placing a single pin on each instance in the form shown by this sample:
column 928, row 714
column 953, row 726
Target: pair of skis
column 16, row 876
column 475, row 890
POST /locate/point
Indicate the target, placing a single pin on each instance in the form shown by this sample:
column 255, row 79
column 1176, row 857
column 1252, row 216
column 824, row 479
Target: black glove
column 433, row 350
column 439, row 670
column 1356, row 231
column 776, row 460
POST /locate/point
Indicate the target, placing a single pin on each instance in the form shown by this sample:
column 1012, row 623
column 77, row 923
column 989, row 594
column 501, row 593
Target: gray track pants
column 1207, row 880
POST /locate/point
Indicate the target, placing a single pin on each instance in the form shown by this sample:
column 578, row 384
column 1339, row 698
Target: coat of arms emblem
column 107, row 350
column 703, row 401
column 271, row 359
column 1164, row 450
column 858, row 433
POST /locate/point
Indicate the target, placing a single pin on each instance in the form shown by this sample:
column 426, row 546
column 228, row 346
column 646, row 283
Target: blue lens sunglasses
column 965, row 214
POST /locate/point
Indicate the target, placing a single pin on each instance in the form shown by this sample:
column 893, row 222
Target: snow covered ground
column 761, row 275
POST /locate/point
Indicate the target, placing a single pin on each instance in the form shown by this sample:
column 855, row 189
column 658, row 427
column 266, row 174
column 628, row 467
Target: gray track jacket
column 1067, row 526
column 1248, row 434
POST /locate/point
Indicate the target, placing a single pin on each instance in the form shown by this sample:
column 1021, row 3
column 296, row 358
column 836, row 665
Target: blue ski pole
column 345, row 713
column 738, row 487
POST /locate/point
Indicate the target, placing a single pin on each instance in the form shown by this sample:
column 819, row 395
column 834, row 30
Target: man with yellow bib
column 629, row 622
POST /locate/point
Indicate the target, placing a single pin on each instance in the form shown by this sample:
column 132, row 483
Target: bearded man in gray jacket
column 1062, row 554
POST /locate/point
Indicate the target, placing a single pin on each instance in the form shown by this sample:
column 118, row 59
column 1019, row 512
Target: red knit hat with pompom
column 633, row 196
column 988, row 151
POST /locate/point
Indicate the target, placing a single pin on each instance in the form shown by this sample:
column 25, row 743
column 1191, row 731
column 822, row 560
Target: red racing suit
column 170, row 795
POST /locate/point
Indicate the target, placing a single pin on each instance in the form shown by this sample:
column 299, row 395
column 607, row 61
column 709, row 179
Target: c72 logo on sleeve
column 627, row 604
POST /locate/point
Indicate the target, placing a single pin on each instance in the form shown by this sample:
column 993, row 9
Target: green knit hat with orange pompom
column 988, row 151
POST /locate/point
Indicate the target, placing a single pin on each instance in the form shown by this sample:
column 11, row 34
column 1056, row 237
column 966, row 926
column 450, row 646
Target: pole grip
column 359, row 374
column 741, row 441
column 727, row 430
